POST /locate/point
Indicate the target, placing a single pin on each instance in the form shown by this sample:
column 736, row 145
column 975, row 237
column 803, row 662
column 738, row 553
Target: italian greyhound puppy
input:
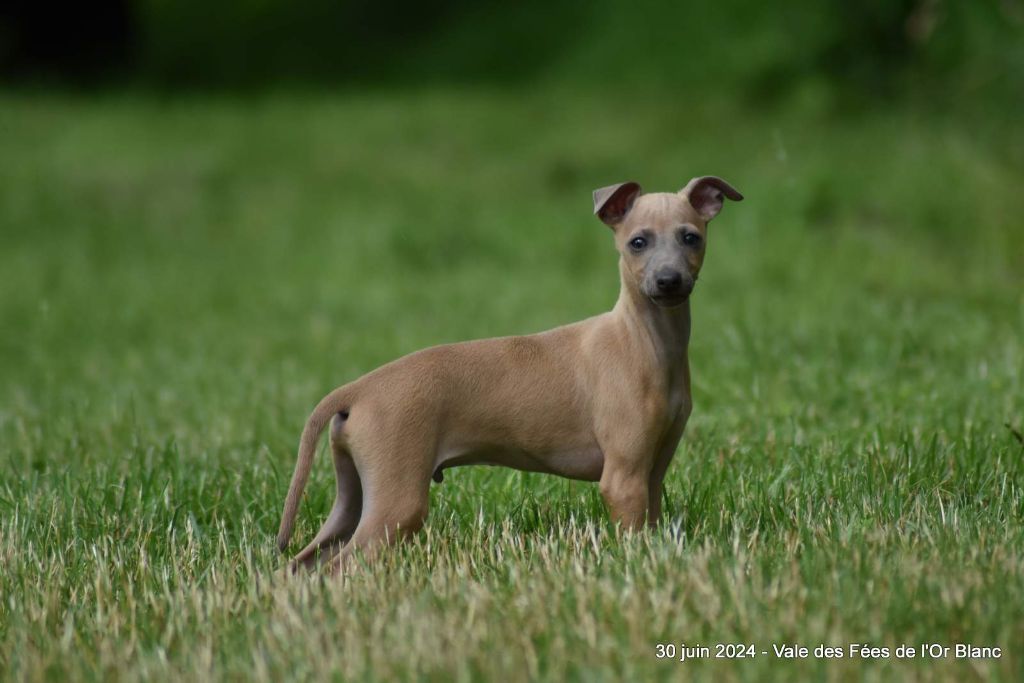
column 605, row 399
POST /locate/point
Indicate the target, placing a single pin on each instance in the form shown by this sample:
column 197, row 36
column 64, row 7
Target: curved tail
column 333, row 403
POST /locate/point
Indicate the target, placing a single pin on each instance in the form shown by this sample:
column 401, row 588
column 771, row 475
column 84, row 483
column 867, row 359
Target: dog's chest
column 668, row 396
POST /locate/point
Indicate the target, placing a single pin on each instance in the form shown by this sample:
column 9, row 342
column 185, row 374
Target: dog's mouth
column 669, row 300
column 672, row 298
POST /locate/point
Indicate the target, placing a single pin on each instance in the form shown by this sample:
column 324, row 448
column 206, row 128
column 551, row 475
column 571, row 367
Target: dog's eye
column 691, row 239
column 637, row 243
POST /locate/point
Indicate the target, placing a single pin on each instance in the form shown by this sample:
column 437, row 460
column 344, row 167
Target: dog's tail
column 338, row 401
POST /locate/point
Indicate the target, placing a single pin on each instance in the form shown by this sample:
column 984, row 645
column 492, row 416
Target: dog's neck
column 666, row 330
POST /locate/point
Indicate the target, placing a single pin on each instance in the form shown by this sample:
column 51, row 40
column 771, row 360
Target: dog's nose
column 668, row 281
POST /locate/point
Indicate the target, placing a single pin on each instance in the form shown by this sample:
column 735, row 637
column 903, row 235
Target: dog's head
column 661, row 236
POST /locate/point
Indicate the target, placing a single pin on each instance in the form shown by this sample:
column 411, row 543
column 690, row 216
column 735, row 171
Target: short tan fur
column 605, row 399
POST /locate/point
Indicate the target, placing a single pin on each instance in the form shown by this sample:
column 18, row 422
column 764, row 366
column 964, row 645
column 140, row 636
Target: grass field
column 182, row 279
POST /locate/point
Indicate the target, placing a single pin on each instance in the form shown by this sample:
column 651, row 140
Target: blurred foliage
column 875, row 48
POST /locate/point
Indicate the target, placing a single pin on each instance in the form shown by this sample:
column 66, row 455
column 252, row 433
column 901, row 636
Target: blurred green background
column 873, row 49
column 211, row 214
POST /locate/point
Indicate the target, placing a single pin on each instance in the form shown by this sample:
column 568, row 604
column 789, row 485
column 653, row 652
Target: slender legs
column 344, row 517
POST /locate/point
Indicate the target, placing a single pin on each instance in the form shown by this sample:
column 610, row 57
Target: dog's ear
column 705, row 194
column 612, row 203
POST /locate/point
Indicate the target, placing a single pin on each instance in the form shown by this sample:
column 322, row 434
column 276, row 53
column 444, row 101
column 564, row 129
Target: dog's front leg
column 625, row 489
column 629, row 447
column 666, row 452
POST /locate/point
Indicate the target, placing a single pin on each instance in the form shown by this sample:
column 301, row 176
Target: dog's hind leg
column 396, row 504
column 348, row 503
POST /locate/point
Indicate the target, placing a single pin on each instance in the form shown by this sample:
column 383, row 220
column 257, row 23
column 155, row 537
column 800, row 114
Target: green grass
column 181, row 280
